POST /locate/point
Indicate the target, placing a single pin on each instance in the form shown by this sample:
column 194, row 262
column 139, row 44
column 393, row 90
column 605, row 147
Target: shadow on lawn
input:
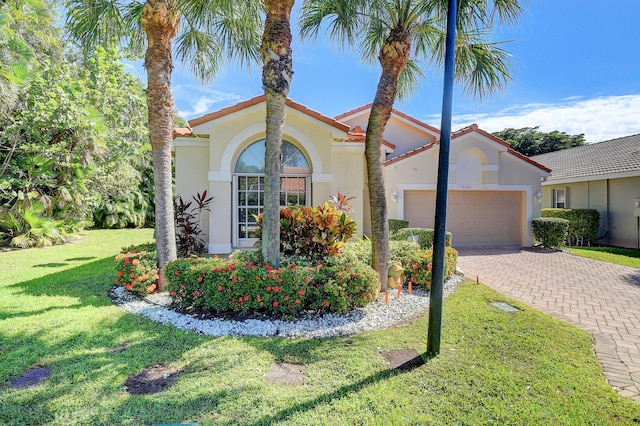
column 88, row 283
column 341, row 392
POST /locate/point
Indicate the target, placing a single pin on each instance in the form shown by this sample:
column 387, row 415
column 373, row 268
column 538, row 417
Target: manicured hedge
column 425, row 236
column 583, row 223
column 397, row 224
column 550, row 231
column 225, row 286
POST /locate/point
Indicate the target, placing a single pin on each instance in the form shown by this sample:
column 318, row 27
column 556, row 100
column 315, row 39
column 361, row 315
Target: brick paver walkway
column 596, row 296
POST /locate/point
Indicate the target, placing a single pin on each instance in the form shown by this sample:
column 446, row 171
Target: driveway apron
column 599, row 297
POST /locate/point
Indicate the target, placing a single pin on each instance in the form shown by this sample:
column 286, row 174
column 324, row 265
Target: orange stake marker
column 399, row 291
column 409, row 287
column 386, row 297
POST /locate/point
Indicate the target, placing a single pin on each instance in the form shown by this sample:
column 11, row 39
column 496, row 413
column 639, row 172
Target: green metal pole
column 437, row 278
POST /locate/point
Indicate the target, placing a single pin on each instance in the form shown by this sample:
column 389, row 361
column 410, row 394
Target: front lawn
column 494, row 367
column 619, row 256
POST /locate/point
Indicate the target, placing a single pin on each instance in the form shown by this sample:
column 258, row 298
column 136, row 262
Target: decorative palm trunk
column 394, row 57
column 160, row 23
column 277, row 73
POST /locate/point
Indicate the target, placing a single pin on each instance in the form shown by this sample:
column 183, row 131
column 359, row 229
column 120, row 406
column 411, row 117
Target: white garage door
column 475, row 218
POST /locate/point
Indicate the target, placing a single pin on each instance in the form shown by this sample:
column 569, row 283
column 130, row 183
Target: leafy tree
column 26, row 35
column 206, row 34
column 277, row 73
column 398, row 33
column 122, row 195
column 56, row 136
column 530, row 141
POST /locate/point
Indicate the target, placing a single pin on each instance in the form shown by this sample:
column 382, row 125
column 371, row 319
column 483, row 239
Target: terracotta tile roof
column 183, row 132
column 615, row 156
column 259, row 99
column 464, row 131
column 358, row 135
column 395, row 111
column 409, row 154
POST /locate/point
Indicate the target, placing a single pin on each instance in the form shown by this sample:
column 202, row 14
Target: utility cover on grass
column 505, row 307
column 285, row 372
column 402, row 359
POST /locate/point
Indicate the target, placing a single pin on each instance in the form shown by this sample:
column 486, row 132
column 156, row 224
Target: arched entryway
column 248, row 184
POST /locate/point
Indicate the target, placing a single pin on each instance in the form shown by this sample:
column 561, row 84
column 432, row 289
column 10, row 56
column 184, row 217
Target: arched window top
column 252, row 159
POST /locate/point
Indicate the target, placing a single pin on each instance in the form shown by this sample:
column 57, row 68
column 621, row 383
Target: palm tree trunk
column 394, row 56
column 277, row 72
column 160, row 23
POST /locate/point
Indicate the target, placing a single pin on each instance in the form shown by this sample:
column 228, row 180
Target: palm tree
column 207, row 34
column 399, row 33
column 277, row 73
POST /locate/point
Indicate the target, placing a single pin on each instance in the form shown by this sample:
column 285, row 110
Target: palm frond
column 409, row 78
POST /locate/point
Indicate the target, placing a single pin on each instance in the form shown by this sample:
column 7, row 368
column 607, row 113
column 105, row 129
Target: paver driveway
column 596, row 296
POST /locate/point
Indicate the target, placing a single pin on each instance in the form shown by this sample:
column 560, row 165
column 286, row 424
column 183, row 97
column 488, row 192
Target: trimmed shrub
column 316, row 232
column 403, row 252
column 225, row 286
column 397, row 224
column 425, row 236
column 583, row 223
column 550, row 231
column 419, row 272
column 137, row 268
column 360, row 252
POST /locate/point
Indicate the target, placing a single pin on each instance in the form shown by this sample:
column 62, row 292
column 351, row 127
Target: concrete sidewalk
column 596, row 296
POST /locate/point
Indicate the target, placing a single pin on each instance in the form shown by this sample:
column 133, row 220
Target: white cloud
column 202, row 104
column 601, row 118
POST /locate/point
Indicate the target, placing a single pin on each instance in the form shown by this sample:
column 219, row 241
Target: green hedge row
column 583, row 223
column 424, row 236
column 550, row 231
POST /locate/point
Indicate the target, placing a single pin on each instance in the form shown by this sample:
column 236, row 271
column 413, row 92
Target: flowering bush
column 419, row 272
column 227, row 286
column 137, row 268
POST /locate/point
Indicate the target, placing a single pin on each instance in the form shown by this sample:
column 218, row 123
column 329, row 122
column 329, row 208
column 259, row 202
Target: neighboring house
column 604, row 176
column 493, row 189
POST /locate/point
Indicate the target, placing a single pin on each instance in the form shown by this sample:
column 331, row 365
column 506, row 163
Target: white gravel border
column 374, row 316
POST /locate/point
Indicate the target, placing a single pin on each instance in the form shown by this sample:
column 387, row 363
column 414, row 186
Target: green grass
column 619, row 256
column 494, row 367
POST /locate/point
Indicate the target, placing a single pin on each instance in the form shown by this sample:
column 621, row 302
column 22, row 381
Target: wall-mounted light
column 538, row 196
column 394, row 196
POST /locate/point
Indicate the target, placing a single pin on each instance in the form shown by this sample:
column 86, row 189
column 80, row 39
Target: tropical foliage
column 398, row 34
column 72, row 150
column 315, row 232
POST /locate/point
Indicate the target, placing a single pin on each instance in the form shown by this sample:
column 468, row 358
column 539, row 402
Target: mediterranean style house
column 494, row 192
column 604, row 176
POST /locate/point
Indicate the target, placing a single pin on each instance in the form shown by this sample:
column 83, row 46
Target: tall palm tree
column 399, row 33
column 277, row 73
column 207, row 34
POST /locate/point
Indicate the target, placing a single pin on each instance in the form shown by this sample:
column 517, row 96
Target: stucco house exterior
column 494, row 192
column 604, row 176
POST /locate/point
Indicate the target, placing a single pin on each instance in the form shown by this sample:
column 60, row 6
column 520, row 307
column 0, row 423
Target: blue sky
column 577, row 70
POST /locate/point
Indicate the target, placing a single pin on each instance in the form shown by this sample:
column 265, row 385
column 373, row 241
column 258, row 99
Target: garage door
column 475, row 218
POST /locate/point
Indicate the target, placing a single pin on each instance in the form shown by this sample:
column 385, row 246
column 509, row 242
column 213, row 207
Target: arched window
column 295, row 185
